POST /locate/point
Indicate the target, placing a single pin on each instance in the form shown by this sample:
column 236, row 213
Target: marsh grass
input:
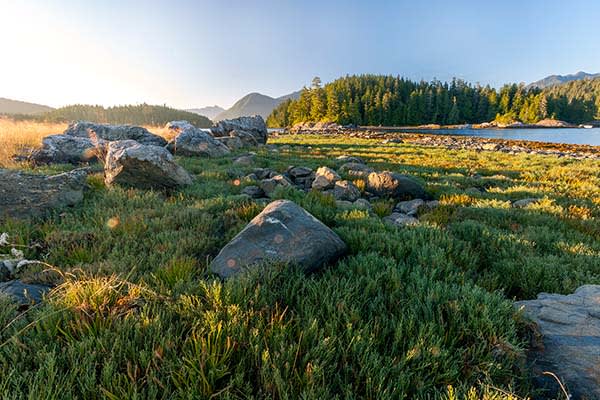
column 420, row 312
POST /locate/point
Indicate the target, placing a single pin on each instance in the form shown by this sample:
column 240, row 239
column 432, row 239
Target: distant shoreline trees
column 395, row 101
column 140, row 114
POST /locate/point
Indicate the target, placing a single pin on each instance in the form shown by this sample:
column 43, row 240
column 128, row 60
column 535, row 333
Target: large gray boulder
column 23, row 294
column 191, row 141
column 570, row 342
column 66, row 149
column 28, row 195
column 254, row 126
column 113, row 133
column 356, row 169
column 283, row 232
column 397, row 186
column 132, row 164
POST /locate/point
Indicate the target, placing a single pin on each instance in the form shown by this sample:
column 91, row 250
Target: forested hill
column 395, row 101
column 142, row 114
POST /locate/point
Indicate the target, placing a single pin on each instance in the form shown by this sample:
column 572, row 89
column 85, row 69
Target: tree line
column 395, row 101
column 140, row 114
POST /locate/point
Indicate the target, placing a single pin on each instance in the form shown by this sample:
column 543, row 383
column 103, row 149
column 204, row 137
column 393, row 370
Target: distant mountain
column 8, row 106
column 209, row 112
column 558, row 79
column 253, row 104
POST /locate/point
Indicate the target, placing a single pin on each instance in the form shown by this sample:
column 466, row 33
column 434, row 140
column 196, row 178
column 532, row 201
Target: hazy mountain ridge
column 8, row 106
column 209, row 112
column 255, row 104
column 553, row 80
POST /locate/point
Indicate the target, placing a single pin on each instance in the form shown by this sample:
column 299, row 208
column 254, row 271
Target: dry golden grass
column 18, row 136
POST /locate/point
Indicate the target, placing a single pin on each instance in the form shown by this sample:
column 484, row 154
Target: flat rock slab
column 23, row 293
column 283, row 232
column 25, row 195
column 570, row 329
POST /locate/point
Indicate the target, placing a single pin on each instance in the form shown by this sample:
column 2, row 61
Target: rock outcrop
column 132, row 164
column 113, row 133
column 570, row 340
column 251, row 130
column 28, row 195
column 325, row 178
column 191, row 141
column 282, row 232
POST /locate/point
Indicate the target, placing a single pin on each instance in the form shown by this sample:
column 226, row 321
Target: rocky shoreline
column 457, row 142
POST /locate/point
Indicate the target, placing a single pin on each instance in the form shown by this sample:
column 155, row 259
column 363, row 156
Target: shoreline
column 461, row 142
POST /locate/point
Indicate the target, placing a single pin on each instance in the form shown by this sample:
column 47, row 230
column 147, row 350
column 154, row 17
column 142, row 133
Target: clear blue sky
column 198, row 53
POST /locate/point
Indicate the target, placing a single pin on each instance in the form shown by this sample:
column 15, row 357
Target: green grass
column 407, row 314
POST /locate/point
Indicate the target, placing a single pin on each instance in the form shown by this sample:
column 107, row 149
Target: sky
column 189, row 54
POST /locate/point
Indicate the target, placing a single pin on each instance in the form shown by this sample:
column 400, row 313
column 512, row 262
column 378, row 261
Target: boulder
column 246, row 138
column 255, row 126
column 23, row 294
column 400, row 219
column 325, row 178
column 66, row 149
column 409, row 207
column 191, row 141
column 282, row 232
column 346, row 190
column 299, row 172
column 269, row 185
column 254, row 192
column 28, row 195
column 244, row 160
column 132, row 164
column 264, row 173
column 397, row 186
column 356, row 169
column 113, row 133
column 363, row 204
column 234, row 143
column 570, row 339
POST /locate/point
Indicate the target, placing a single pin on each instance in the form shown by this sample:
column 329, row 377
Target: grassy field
column 420, row 312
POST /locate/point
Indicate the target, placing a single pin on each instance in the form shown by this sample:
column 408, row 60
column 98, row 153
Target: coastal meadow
column 414, row 312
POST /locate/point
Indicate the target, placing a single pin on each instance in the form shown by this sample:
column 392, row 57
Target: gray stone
column 344, row 204
column 254, row 192
column 350, row 159
column 282, row 232
column 191, row 141
column 346, row 190
column 27, row 195
column 391, row 184
column 400, row 219
column 409, row 207
column 66, row 149
column 524, row 202
column 246, row 138
column 264, row 173
column 570, row 339
column 269, row 185
column 255, row 126
column 132, row 164
column 244, row 160
column 299, row 172
column 363, row 204
column 114, row 133
column 356, row 169
column 325, row 178
column 23, row 294
column 232, row 142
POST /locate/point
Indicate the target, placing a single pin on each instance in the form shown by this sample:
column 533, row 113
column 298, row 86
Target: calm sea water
column 565, row 135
